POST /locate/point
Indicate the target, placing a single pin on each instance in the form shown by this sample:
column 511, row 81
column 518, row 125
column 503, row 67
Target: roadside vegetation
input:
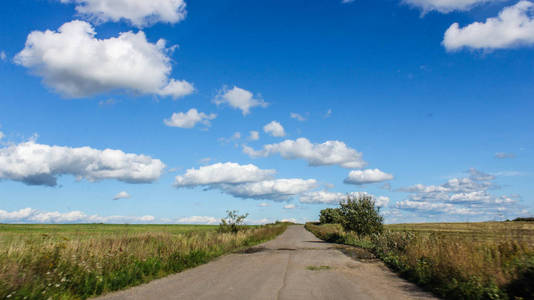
column 493, row 260
column 81, row 261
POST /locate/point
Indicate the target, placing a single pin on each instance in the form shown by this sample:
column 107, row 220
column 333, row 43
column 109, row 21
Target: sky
column 175, row 111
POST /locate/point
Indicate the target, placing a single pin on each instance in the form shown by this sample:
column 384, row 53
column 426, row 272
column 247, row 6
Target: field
column 80, row 261
column 493, row 260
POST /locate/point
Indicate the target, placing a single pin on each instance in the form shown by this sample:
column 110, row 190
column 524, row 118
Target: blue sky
column 390, row 98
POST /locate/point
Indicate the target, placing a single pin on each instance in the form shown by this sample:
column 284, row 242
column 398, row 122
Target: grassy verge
column 451, row 266
column 82, row 261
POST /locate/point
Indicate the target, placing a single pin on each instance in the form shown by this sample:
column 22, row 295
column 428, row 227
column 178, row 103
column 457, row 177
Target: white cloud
column 3, row 55
column 236, row 136
column 289, row 206
column 239, row 98
column 446, row 6
column 76, row 64
column 122, row 195
column 503, row 155
column 1, row 135
column 291, row 220
column 462, row 196
column 29, row 215
column 37, row 164
column 197, row 220
column 327, row 153
column 189, row 119
column 328, row 113
column 274, row 129
column 297, row 117
column 323, row 197
column 230, row 173
column 360, row 177
column 512, row 28
column 382, row 201
column 254, row 135
column 276, row 190
column 264, row 204
column 244, row 181
column 139, row 12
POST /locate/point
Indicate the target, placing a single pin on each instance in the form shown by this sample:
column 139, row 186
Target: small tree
column 330, row 216
column 233, row 222
column 360, row 215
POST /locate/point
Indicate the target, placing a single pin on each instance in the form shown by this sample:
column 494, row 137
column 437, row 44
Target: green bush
column 330, row 216
column 233, row 222
column 359, row 215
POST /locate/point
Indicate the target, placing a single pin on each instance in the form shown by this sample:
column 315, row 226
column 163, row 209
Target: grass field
column 80, row 261
column 492, row 260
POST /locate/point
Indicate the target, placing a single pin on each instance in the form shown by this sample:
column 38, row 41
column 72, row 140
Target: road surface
column 296, row 265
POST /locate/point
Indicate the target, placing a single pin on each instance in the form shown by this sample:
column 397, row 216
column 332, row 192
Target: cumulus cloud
column 322, row 197
column 289, row 206
column 503, row 155
column 462, row 196
column 513, row 27
column 239, row 98
column 189, row 119
column 122, row 195
column 244, row 181
column 139, row 12
column 38, row 164
column 360, row 177
column 327, row 153
column 254, row 135
column 29, row 215
column 297, row 117
column 274, row 129
column 276, row 190
column 230, row 173
column 3, row 55
column 382, row 201
column 76, row 64
column 446, row 6
column 197, row 220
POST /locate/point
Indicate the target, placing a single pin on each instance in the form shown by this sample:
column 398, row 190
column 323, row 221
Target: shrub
column 330, row 216
column 233, row 222
column 359, row 214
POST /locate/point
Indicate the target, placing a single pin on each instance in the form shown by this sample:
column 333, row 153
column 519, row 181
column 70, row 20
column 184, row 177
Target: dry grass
column 72, row 264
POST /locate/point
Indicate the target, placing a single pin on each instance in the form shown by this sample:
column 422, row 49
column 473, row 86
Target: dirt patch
column 358, row 254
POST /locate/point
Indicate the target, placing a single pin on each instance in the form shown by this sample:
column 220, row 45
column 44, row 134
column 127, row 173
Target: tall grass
column 78, row 266
column 452, row 266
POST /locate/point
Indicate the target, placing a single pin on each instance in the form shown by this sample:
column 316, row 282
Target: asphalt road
column 288, row 267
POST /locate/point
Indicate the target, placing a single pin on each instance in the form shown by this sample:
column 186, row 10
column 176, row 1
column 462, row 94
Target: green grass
column 82, row 261
column 493, row 260
column 317, row 268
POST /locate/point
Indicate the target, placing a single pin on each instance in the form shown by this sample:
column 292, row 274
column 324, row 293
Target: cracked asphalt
column 282, row 269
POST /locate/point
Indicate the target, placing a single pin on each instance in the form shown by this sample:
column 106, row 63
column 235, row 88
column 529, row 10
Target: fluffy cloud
column 276, row 190
column 122, row 195
column 297, row 117
column 197, row 220
column 3, row 55
column 139, row 12
column 322, row 197
column 229, row 173
column 76, row 64
column 461, row 196
column 514, row 26
column 360, row 177
column 503, row 155
column 382, row 201
column 29, row 215
column 239, row 98
column 1, row 135
column 274, row 129
column 327, row 153
column 189, row 119
column 37, row 164
column 244, row 181
column 446, row 6
column 254, row 135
